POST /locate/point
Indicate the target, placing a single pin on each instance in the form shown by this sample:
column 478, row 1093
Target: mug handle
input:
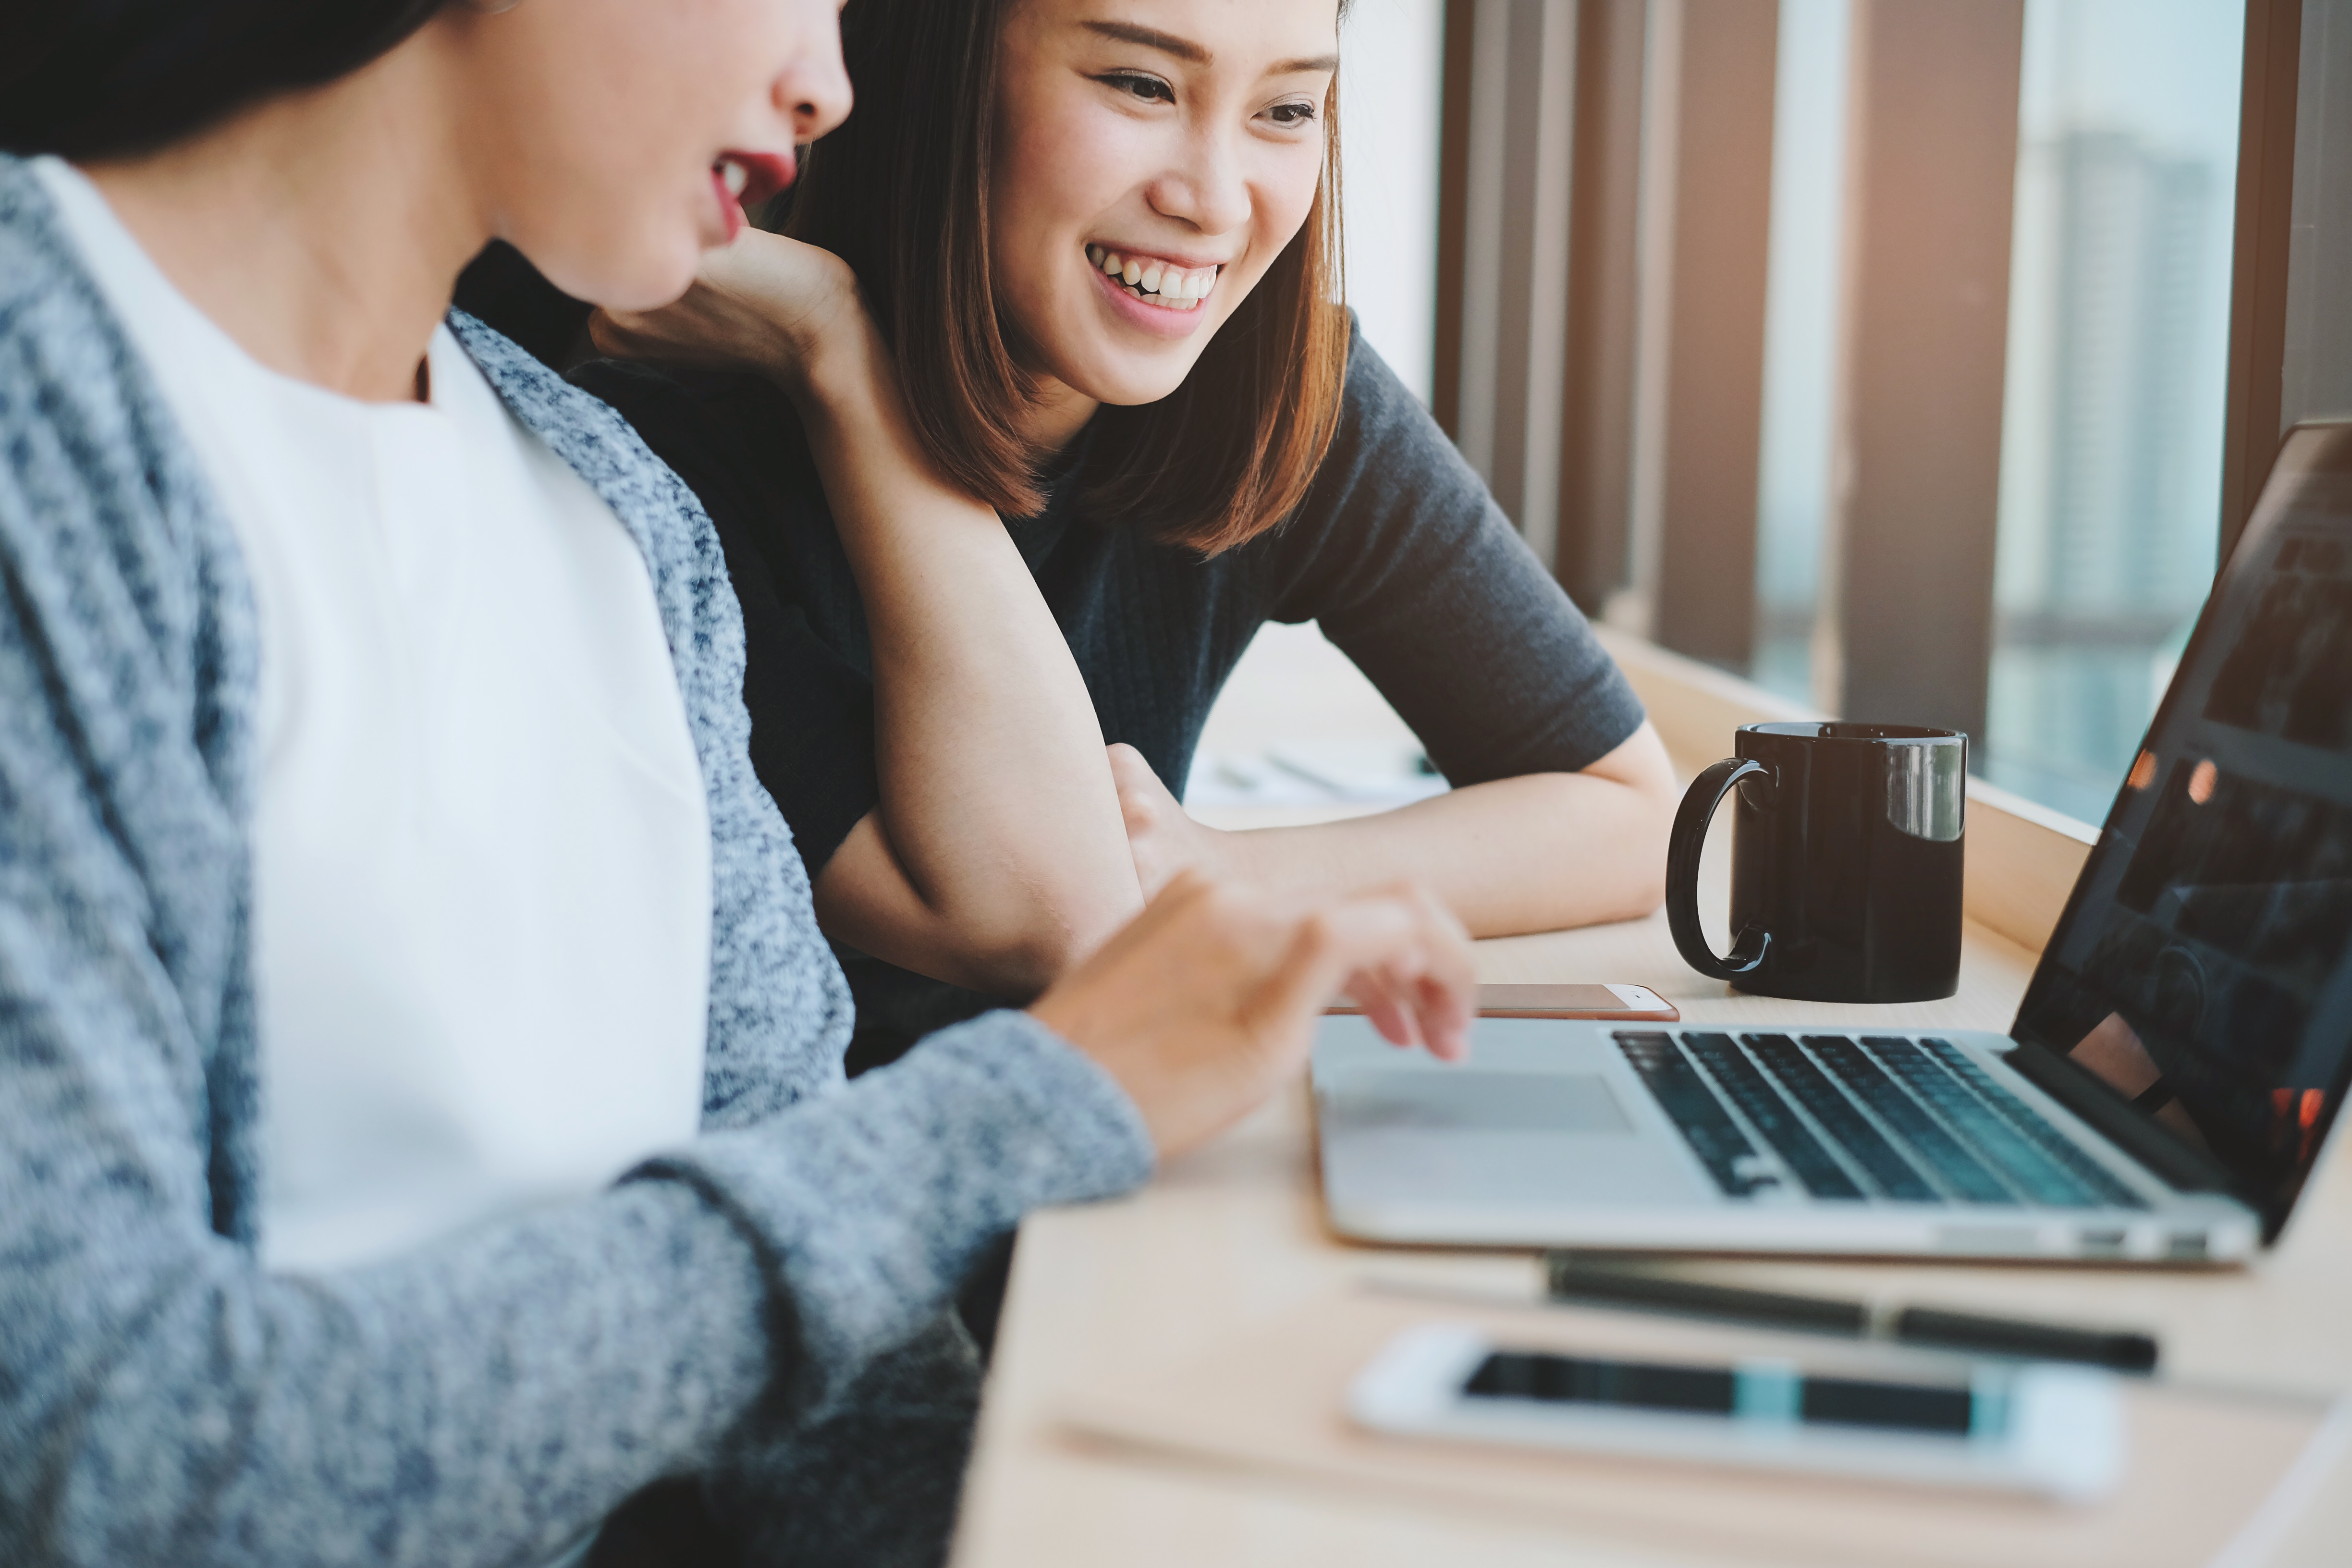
column 1697, row 810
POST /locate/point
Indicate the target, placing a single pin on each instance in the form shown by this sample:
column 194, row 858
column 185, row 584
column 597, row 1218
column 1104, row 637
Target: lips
column 753, row 177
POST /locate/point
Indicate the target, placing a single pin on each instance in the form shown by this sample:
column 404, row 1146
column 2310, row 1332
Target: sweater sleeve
column 163, row 1397
column 164, row 1400
column 736, row 443
column 1412, row 569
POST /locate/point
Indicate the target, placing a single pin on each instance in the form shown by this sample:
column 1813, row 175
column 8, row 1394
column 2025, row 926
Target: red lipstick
column 764, row 174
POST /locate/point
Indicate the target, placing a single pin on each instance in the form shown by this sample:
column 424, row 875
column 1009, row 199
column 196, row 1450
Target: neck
column 1056, row 414
column 322, row 230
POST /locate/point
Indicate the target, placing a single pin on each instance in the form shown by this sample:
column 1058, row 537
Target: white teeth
column 1172, row 287
column 735, row 175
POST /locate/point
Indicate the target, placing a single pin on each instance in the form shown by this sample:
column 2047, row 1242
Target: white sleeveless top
column 481, row 848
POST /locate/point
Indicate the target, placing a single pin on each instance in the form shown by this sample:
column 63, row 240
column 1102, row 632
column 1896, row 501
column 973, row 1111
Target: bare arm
column 1534, row 853
column 997, row 854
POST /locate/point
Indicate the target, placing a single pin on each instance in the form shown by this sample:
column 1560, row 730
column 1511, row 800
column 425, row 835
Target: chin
column 656, row 282
column 639, row 278
column 1128, row 384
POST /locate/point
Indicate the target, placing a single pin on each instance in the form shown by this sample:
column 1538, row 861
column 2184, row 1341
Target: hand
column 764, row 303
column 1161, row 835
column 1208, row 1000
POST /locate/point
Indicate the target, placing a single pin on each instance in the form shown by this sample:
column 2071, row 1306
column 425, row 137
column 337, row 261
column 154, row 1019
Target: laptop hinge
column 2069, row 1083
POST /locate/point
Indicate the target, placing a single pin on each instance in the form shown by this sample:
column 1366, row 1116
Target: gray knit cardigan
column 162, row 1399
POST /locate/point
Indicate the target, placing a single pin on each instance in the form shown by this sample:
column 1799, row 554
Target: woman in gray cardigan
column 404, row 1159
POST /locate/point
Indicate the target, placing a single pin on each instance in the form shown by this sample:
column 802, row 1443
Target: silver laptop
column 2162, row 1097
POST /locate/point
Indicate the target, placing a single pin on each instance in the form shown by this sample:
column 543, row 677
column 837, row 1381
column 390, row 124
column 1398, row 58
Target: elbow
column 1645, row 823
column 995, row 929
column 1645, row 898
column 1622, row 864
column 1645, row 883
column 1015, row 961
column 1647, row 892
column 1018, row 930
column 1638, row 888
column 1015, row 947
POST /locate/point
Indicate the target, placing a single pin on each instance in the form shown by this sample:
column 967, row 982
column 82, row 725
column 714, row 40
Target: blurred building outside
column 2118, row 363
column 2119, row 299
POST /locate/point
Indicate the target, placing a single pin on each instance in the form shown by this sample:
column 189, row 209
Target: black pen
column 1572, row 1279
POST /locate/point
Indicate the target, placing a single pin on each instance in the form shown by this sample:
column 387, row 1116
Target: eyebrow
column 1150, row 38
column 1193, row 53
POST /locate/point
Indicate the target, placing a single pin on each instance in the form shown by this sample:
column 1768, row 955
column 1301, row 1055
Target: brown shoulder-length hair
column 900, row 192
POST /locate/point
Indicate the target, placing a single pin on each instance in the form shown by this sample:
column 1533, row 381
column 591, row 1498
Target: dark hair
column 95, row 78
column 900, row 192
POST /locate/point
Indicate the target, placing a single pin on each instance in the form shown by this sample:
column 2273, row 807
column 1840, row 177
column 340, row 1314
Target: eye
column 1150, row 88
column 1290, row 115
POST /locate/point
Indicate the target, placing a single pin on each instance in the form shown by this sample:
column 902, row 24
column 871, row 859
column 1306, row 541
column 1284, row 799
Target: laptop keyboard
column 1772, row 1116
column 2044, row 1136
column 1705, row 1126
column 1880, row 1162
column 1964, row 1176
column 1882, row 1117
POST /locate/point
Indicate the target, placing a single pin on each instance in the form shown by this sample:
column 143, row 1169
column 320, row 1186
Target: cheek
column 617, row 227
column 1286, row 194
column 1282, row 193
column 1061, row 166
column 614, row 127
column 614, row 217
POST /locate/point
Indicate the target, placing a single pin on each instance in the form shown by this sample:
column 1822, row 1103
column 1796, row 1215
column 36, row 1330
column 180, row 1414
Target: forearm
column 1001, row 827
column 489, row 1400
column 1537, row 853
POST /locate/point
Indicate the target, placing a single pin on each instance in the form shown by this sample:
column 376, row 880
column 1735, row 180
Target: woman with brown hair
column 1099, row 238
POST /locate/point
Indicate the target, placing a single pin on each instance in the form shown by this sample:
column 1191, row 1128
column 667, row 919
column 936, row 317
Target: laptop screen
column 2203, row 968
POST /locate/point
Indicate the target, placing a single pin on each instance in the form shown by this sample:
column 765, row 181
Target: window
column 1919, row 356
column 1800, row 335
column 2118, row 350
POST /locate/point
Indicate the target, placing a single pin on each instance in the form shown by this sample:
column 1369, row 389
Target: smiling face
column 610, row 140
column 1152, row 158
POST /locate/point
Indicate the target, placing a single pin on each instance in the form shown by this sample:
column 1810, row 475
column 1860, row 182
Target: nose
column 1207, row 187
column 812, row 92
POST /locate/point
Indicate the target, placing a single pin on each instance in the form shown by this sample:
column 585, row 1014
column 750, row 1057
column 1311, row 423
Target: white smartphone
column 2035, row 1427
column 1630, row 1003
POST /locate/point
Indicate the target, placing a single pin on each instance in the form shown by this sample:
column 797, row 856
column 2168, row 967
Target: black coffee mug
column 1846, row 856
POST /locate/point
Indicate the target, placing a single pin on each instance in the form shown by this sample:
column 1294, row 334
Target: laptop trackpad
column 1481, row 1102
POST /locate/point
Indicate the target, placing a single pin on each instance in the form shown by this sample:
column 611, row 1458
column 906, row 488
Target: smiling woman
column 1098, row 242
column 1009, row 137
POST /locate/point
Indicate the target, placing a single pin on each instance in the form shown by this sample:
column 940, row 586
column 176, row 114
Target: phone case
column 1665, row 1013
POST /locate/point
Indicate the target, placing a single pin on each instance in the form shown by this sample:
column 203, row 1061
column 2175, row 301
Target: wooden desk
column 1233, row 1235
